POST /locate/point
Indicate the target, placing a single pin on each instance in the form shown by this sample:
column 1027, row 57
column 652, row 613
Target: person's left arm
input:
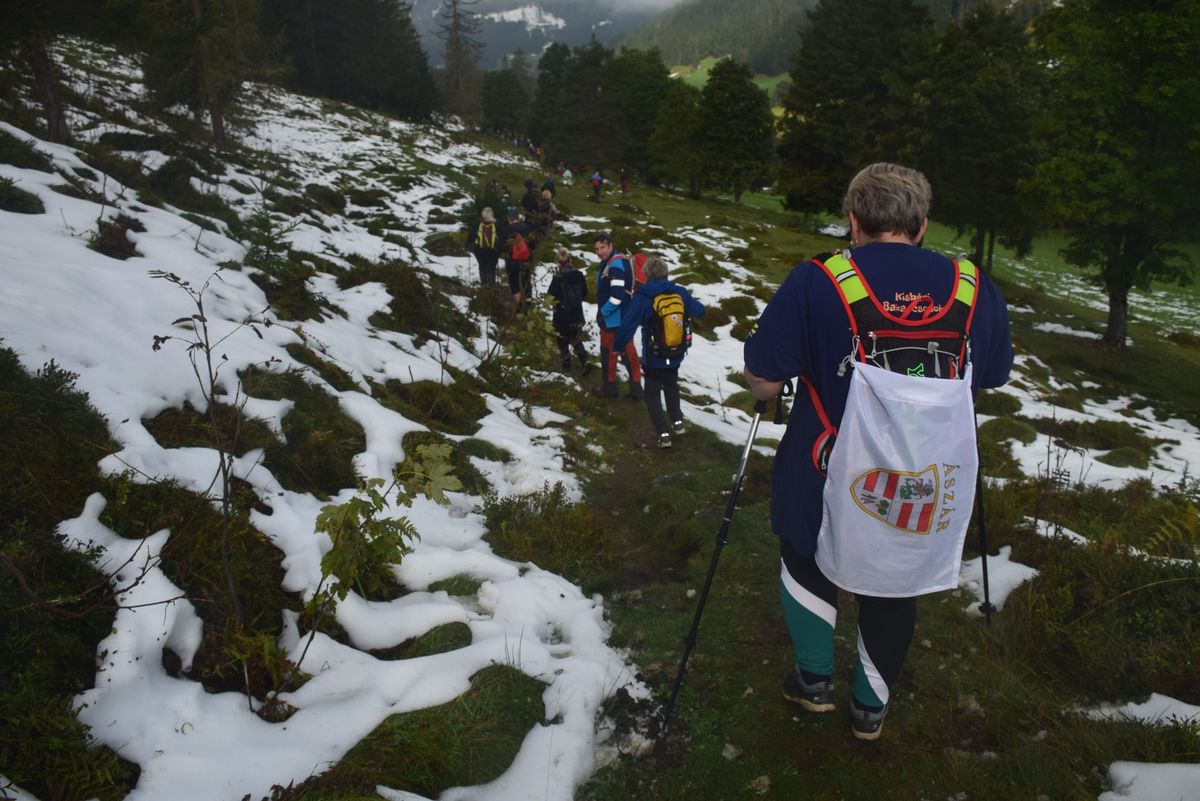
column 631, row 318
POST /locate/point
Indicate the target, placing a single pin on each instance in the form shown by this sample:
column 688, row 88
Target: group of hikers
column 874, row 480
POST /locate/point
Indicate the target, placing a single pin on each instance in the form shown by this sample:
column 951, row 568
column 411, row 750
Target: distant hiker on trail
column 484, row 242
column 567, row 176
column 874, row 528
column 663, row 310
column 548, row 184
column 624, row 181
column 614, row 279
column 547, row 212
column 569, row 287
column 518, row 257
column 597, row 184
column 529, row 200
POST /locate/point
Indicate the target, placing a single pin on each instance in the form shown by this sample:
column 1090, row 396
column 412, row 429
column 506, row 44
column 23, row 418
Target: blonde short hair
column 889, row 199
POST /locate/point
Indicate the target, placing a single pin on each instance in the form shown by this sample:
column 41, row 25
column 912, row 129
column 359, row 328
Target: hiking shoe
column 677, row 427
column 815, row 697
column 609, row 390
column 866, row 724
column 635, row 392
column 664, row 440
column 588, row 367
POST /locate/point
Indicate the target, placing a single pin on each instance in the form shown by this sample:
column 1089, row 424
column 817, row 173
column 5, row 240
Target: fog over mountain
column 534, row 25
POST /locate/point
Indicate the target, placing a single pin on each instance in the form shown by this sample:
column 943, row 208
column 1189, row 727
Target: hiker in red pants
column 614, row 282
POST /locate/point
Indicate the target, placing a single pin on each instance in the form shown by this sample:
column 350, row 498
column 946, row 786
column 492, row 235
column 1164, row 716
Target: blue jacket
column 641, row 312
column 613, row 278
column 804, row 331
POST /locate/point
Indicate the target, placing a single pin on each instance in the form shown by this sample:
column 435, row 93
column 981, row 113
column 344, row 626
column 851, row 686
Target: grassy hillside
column 982, row 711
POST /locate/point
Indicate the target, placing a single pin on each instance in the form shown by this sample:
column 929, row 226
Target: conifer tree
column 462, row 82
column 198, row 53
column 551, row 78
column 590, row 126
column 838, row 111
column 1122, row 130
column 643, row 82
column 972, row 120
column 365, row 52
column 738, row 137
column 674, row 147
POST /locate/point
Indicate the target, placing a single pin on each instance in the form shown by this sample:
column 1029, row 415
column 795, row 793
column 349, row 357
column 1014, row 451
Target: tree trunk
column 977, row 241
column 34, row 48
column 1118, row 311
column 991, row 252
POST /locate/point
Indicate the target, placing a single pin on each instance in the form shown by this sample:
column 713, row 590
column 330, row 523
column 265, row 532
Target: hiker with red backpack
column 518, row 257
column 615, row 282
column 873, row 481
column 484, row 241
column 664, row 311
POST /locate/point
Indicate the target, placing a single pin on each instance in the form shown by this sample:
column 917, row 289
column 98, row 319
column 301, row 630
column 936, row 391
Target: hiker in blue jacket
column 804, row 332
column 614, row 279
column 661, row 371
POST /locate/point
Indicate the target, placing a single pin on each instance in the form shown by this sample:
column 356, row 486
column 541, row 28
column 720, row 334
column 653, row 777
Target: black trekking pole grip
column 689, row 641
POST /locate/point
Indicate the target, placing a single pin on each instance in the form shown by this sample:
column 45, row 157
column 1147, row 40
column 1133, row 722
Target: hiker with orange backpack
column 518, row 257
column 873, row 481
column 664, row 311
column 615, row 282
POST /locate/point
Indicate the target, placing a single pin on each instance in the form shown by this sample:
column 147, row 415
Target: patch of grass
column 192, row 560
column 112, row 237
column 1095, row 434
column 558, row 535
column 469, row 741
column 20, row 153
column 462, row 585
column 291, row 298
column 439, row 640
column 455, row 408
column 172, row 183
column 188, row 428
column 129, row 172
column 482, row 449
column 17, row 200
column 325, row 198
column 417, row 308
column 997, row 404
column 1001, row 428
column 53, row 601
column 321, row 441
column 335, row 376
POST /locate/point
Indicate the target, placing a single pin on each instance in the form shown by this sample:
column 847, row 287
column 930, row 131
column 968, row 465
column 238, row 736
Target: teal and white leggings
column 885, row 628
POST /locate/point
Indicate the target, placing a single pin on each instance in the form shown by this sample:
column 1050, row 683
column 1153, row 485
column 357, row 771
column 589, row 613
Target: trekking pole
column 722, row 537
column 986, row 607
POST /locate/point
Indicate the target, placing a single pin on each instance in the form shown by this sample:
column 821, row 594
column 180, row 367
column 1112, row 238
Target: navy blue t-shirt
column 804, row 331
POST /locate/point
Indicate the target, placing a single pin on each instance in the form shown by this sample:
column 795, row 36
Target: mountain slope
column 762, row 33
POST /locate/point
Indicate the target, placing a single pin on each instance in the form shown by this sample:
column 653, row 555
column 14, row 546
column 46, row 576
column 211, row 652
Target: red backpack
column 520, row 248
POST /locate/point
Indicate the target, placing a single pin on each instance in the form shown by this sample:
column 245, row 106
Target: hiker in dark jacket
column 529, row 200
column 569, row 287
column 484, row 242
column 520, row 271
column 661, row 371
column 804, row 331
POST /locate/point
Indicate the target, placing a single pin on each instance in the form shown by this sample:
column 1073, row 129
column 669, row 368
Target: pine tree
column 972, row 119
column 1123, row 132
column 738, row 137
column 547, row 99
column 838, row 111
column 462, row 84
column 674, row 147
column 590, row 125
column 643, row 82
column 365, row 52
column 198, row 53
